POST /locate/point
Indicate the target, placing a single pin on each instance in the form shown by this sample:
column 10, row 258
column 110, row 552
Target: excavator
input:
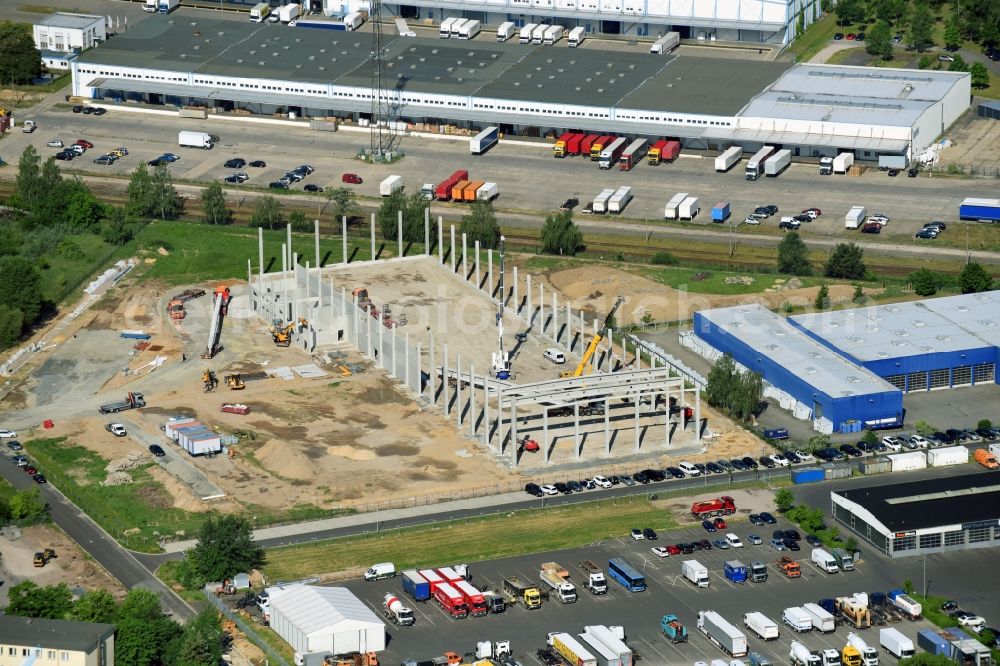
column 209, row 379
column 283, row 336
column 235, row 382
column 588, row 355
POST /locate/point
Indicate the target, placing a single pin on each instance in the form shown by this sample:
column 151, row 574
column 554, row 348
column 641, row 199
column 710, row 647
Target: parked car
column 258, row 164
column 721, row 544
column 675, row 472
column 754, row 540
column 708, row 525
column 893, row 173
column 235, row 163
column 767, row 462
column 83, row 142
column 637, row 534
column 777, row 544
column 157, row 450
column 106, row 160
column 804, row 457
column 917, row 442
column 768, row 518
column 792, row 457
column 755, row 519
column 570, row 204
column 549, row 490
column 660, row 551
column 39, row 478
column 639, row 477
column 562, row 488
column 714, row 468
column 928, row 233
column 792, row 544
column 871, row 228
column 14, row 445
column 813, row 540
column 352, row 178
column 780, row 460
column 170, row 157
column 793, row 535
column 720, row 523
column 156, row 161
column 575, row 486
column 627, row 480
column 750, row 462
column 894, row 443
column 77, row 108
column 311, row 187
column 851, row 450
column 649, row 533
column 534, row 489
column 29, row 470
column 602, row 481
column 790, row 223
column 278, row 185
column 838, row 36
column 55, row 143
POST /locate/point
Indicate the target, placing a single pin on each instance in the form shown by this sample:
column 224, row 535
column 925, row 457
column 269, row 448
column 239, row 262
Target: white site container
column 904, row 462
column 952, row 455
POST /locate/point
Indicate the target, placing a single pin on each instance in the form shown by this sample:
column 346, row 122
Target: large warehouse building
column 324, row 620
column 709, row 103
column 923, row 517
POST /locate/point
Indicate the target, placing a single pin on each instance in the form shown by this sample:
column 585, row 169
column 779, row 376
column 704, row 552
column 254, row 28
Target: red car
column 29, row 470
column 352, row 178
column 83, row 142
column 674, row 550
column 851, row 36
column 720, row 524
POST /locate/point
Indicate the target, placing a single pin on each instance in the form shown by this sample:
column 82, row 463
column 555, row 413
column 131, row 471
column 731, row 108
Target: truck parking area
column 668, row 592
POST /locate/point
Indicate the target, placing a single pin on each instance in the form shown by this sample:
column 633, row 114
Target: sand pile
column 350, row 452
column 285, row 461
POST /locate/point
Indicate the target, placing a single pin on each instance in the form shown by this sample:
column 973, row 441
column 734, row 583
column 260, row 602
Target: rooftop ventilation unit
column 881, row 354
column 918, row 323
column 853, row 379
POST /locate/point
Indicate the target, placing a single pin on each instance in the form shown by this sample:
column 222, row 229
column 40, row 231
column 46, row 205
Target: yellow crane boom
column 588, row 355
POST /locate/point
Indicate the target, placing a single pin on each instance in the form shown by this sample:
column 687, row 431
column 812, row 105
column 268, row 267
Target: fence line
column 248, row 630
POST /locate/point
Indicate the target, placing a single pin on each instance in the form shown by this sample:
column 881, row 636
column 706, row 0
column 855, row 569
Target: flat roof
column 482, row 68
column 774, row 337
column 66, row 20
column 897, row 330
column 913, row 505
column 53, row 634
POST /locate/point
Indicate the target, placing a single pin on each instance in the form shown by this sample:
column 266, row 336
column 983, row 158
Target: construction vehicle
column 235, row 382
column 789, row 567
column 557, row 578
column 588, row 355
column 220, row 309
column 225, row 587
column 360, row 296
column 359, row 659
column 854, row 610
column 131, row 401
column 718, row 506
column 396, row 612
column 175, row 308
column 517, row 591
column 42, row 558
column 209, row 379
column 673, row 629
column 283, row 336
column 596, row 582
column 500, row 365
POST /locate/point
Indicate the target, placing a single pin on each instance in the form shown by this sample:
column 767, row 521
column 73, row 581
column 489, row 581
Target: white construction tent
column 329, row 620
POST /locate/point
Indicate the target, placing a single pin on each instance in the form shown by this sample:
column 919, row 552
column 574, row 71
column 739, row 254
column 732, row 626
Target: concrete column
column 381, row 342
column 458, row 390
column 476, row 264
column 611, row 349
column 444, row 381
column 440, row 241
column 316, row 240
column 569, row 326
column 427, row 230
column 399, row 234
column 583, row 331
column 527, row 291
column 638, row 357
column 406, row 358
column 513, row 432
column 624, row 357
column 249, row 272
column 284, row 261
column 636, row 399
column 394, row 368
column 420, row 367
column 486, row 408
column 545, row 434
column 288, row 233
column 260, row 249
column 607, row 426
column 372, row 229
column 343, row 240
column 472, row 400
column 370, row 345
column 465, row 258
column 555, row 315
column 541, row 306
column 697, row 414
column 517, row 302
column 432, row 384
column 666, row 418
column 453, row 248
column 489, row 275
column 576, row 430
column 308, row 283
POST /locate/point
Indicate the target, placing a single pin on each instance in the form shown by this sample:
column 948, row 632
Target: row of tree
column 978, row 20
column 736, row 392
column 845, row 262
column 973, row 279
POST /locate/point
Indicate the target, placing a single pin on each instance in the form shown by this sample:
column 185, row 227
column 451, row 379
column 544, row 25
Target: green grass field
column 816, row 36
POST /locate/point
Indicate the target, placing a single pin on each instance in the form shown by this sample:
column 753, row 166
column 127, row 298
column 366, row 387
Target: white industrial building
column 64, row 32
column 324, row 620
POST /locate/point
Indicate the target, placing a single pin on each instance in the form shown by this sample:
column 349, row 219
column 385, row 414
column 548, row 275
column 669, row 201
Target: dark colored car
column 258, row 164
column 838, row 36
column 312, row 188
column 352, row 178
column 649, row 533
column 860, row 37
column 778, row 534
column 588, row 484
column 575, row 486
column 705, row 544
column 768, row 518
column 750, row 462
column 40, row 478
column 714, row 468
column 789, row 224
column 940, row 226
column 912, row 173
column 755, row 519
column 944, row 438
column 305, row 168
column 235, row 163
column 767, row 462
column 654, row 475
column 156, row 161
column 99, row 111
column 791, row 544
column 726, row 465
column 851, row 450
column 792, row 457
column 813, row 540
column 639, row 477
column 835, row 454
column 570, row 204
column 893, row 173
column 772, row 209
column 949, row 606
column 14, row 445
column 157, row 450
column 708, row 525
column 66, row 155
column 763, row 210
column 278, row 185
column 955, row 434
column 686, row 548
column 77, row 108
column 87, row 110
column 871, row 228
column 562, row 487
column 534, row 489
column 675, row 472
column 793, row 535
column 803, row 218
column 739, row 464
column 233, row 179
column 614, row 480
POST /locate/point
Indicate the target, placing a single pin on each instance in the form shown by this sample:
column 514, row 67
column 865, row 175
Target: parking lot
column 640, row 613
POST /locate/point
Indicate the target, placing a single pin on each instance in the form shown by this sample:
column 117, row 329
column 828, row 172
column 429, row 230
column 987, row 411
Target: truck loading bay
column 669, row 592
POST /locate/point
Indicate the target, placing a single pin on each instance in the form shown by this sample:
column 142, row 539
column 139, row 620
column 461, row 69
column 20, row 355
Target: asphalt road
column 119, row 562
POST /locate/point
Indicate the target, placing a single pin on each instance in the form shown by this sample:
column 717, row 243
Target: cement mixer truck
column 869, row 655
column 396, row 612
column 801, row 656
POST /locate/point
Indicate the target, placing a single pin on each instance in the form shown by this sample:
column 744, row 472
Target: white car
column 637, row 534
column 811, row 212
column 549, row 490
column 7, row 434
column 804, row 457
column 601, row 481
column 733, row 540
column 918, row 442
column 660, row 551
column 750, row 219
column 688, row 469
column 780, row 460
column 974, row 622
column 893, row 443
column 55, row 143
column 878, row 217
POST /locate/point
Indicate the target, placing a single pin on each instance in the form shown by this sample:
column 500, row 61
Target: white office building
column 66, row 33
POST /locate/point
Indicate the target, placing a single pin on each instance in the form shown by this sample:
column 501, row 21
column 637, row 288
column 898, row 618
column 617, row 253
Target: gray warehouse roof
column 53, row 634
column 771, row 335
column 553, row 74
column 950, row 324
column 64, row 20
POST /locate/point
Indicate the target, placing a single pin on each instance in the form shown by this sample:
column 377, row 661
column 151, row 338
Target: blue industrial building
column 809, row 378
column 937, row 343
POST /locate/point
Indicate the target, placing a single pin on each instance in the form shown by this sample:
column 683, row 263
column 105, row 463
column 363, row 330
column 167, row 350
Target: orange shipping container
column 469, row 193
column 457, row 190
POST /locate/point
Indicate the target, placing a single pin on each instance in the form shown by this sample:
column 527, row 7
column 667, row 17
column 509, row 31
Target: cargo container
column 444, row 188
column 601, row 201
column 570, row 649
column 688, row 209
column 449, row 574
column 777, row 163
column 821, row 619
column 525, row 35
column 665, row 44
column 415, row 585
column 759, row 624
column 506, row 31
column 736, row 571
column 664, row 151
column 879, row 465
column 576, row 36
column 390, row 185
column 485, row 140
column 609, row 639
column 354, row 20
column 552, row 34
column 469, row 191
column 982, row 210
column 488, row 192
column 432, row 577
column 289, row 12
column 843, row 162
column 451, row 600
column 474, row 599
column 933, row 642
column 905, row 462
column 598, row 146
column 456, row 27
column 952, row 455
column 538, row 34
column 720, row 212
column 725, row 636
column 728, row 159
column 573, row 144
column 620, row 199
column 444, row 32
column 587, row 143
column 322, row 23
column 831, row 471
column 696, row 572
column 755, row 166
column 855, row 217
column 895, row 643
column 807, row 475
column 612, row 153
column 967, row 650
column 458, row 190
column 632, row 155
column 797, row 619
column 671, row 211
column 604, row 655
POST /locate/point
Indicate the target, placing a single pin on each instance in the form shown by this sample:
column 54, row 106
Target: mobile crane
column 588, row 355
column 501, row 359
column 220, row 308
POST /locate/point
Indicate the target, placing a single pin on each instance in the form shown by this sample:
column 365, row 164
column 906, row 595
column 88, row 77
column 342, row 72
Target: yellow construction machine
column 235, row 382
column 588, row 355
column 209, row 379
column 282, row 336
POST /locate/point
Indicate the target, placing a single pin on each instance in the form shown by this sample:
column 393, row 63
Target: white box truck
column 469, row 29
column 456, row 27
column 259, row 12
column 689, row 208
column 444, row 31
column 665, row 44
column 601, row 201
column 353, row 21
column 538, row 34
column 620, row 199
column 186, row 139
column 855, row 217
column 761, row 625
column 488, row 192
column 824, row 560
column 895, row 643
column 151, row 6
column 576, row 36
column 390, row 185
column 525, row 36
column 755, row 166
column 777, row 163
column 289, row 12
column 822, row 621
column 671, row 209
column 552, row 34
column 605, row 656
column 842, row 162
column 167, row 6
column 728, row 159
column 797, row 619
column 727, row 637
column 611, row 639
column 696, row 572
column 506, row 31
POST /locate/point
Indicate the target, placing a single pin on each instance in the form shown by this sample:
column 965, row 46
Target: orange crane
column 588, row 355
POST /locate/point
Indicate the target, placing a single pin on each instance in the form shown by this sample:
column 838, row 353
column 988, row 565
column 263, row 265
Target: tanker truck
column 396, row 612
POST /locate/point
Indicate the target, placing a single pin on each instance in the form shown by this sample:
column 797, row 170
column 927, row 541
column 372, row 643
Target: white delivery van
column 381, row 570
column 554, row 355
